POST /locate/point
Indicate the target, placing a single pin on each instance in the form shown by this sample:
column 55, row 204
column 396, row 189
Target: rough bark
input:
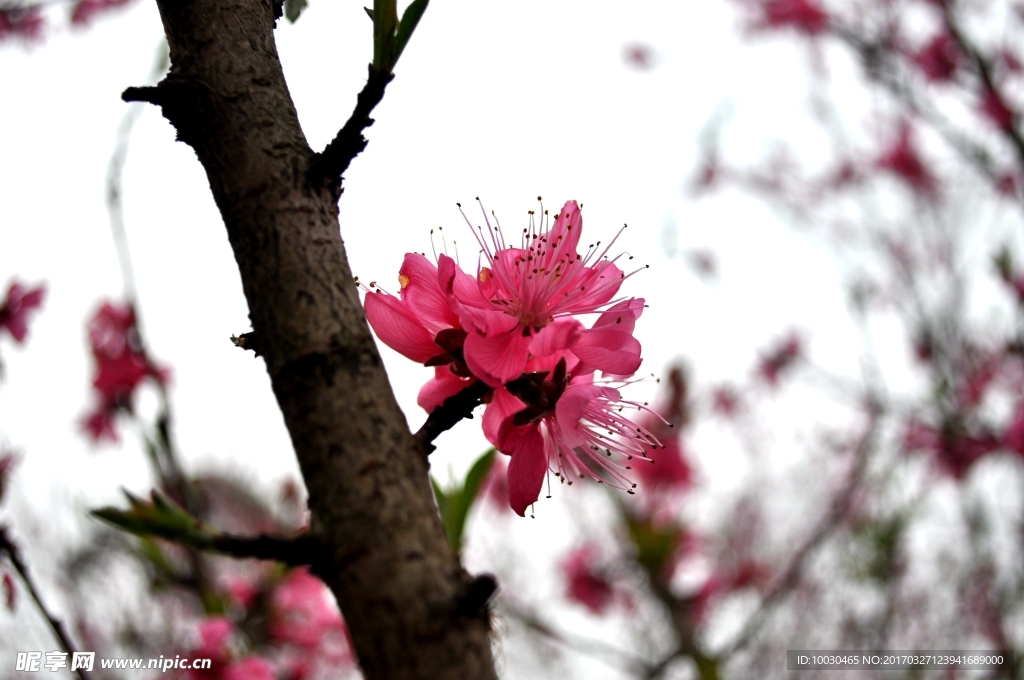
column 412, row 610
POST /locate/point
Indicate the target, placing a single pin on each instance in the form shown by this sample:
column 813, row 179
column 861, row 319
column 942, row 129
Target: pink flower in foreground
column 121, row 366
column 805, row 16
column 16, row 308
column 903, row 160
column 554, row 419
column 585, row 581
column 419, row 323
column 523, row 302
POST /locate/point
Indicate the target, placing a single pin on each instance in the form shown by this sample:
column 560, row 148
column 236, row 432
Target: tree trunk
column 409, row 605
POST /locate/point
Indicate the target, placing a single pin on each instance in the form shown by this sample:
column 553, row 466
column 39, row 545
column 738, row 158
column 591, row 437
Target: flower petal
column 499, row 358
column 444, row 384
column 502, row 406
column 557, row 335
column 398, row 328
column 526, row 470
column 565, row 233
column 623, row 316
column 571, row 405
column 609, row 350
column 422, row 293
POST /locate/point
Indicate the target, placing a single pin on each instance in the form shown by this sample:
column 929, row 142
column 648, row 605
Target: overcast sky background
column 505, row 101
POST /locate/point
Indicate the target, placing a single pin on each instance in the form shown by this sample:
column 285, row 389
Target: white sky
column 505, row 101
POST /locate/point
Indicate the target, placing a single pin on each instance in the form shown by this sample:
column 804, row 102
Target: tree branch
column 387, row 560
column 334, row 160
column 791, row 576
column 448, row 414
column 14, row 555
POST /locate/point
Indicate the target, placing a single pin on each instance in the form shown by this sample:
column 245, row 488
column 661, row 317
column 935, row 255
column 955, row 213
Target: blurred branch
column 164, row 519
column 115, row 171
column 8, row 548
column 984, row 67
column 598, row 649
column 791, row 575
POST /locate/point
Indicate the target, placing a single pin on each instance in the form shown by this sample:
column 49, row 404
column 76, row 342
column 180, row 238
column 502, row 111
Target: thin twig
column 449, row 413
column 334, row 160
column 14, row 556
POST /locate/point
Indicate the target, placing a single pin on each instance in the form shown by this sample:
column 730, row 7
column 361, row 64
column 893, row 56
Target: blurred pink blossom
column 585, row 581
column 19, row 304
column 24, row 23
column 806, row 16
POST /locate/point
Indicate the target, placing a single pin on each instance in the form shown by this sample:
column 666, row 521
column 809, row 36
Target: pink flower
column 903, row 160
column 121, row 366
column 954, row 450
column 551, row 417
column 303, row 614
column 214, row 634
column 668, row 472
column 523, row 303
column 939, row 59
column 805, row 16
column 995, row 109
column 780, row 358
column 16, row 308
column 420, row 323
column 86, row 10
column 25, row 23
column 585, row 582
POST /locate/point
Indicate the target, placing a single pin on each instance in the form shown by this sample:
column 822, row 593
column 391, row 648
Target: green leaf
column 293, row 8
column 455, row 505
column 162, row 518
column 410, row 19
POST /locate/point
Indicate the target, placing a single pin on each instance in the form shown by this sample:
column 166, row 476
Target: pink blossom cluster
column 288, row 628
column 121, row 365
column 516, row 327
